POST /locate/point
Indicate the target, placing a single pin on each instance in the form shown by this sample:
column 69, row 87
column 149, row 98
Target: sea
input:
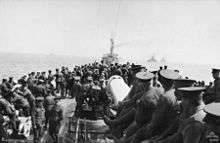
column 17, row 65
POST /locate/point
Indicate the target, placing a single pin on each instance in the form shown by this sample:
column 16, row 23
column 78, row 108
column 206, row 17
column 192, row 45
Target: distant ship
column 163, row 60
column 152, row 59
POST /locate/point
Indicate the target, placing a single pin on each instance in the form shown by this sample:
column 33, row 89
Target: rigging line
column 117, row 17
column 98, row 16
column 113, row 18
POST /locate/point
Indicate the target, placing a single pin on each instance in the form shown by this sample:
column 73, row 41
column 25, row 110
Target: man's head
column 4, row 80
column 57, row 70
column 39, row 101
column 23, row 82
column 11, row 79
column 191, row 97
column 89, row 79
column 144, row 80
column 41, row 81
column 167, row 77
column 77, row 79
column 182, row 83
column 32, row 73
column 216, row 73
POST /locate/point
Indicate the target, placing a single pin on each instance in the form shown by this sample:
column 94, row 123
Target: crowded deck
column 125, row 102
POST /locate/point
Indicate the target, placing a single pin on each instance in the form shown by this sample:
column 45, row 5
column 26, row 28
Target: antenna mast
column 112, row 46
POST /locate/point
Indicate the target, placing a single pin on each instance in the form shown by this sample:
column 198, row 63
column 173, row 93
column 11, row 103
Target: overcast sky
column 179, row 30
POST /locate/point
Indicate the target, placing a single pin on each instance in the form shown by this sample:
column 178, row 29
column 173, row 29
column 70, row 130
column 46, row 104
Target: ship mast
column 112, row 46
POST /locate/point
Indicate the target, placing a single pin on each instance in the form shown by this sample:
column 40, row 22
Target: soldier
column 39, row 89
column 48, row 104
column 58, row 79
column 6, row 109
column 4, row 89
column 166, row 109
column 212, row 120
column 93, row 98
column 191, row 125
column 78, row 93
column 39, row 118
column 26, row 93
column 133, row 70
column 10, row 83
column 20, row 103
column 182, row 83
column 136, row 92
column 43, row 76
column 216, row 76
column 2, row 131
column 63, row 85
column 31, row 80
column 55, row 118
column 139, row 99
column 76, row 88
column 50, row 76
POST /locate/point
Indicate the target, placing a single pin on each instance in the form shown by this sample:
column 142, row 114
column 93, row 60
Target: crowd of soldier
column 157, row 109
column 163, row 107
column 35, row 95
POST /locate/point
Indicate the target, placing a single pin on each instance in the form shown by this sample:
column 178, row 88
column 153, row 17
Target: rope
column 117, row 17
column 98, row 16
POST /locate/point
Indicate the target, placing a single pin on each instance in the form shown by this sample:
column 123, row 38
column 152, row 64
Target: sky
column 179, row 30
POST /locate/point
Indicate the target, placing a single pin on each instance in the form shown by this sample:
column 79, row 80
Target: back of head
column 167, row 77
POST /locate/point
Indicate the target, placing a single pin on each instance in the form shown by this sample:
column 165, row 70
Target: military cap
column 22, row 82
column 169, row 74
column 41, row 81
column 39, row 99
column 191, row 91
column 213, row 109
column 77, row 78
column 213, row 113
column 183, row 83
column 214, row 70
column 89, row 78
column 154, row 72
column 136, row 67
column 144, row 76
column 96, row 88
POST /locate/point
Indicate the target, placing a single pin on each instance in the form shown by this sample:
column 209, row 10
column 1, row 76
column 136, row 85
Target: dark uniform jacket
column 39, row 90
column 191, row 128
column 26, row 93
column 5, row 107
column 217, row 90
column 147, row 105
column 39, row 115
column 162, row 118
column 4, row 90
column 56, row 116
column 76, row 90
column 49, row 102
